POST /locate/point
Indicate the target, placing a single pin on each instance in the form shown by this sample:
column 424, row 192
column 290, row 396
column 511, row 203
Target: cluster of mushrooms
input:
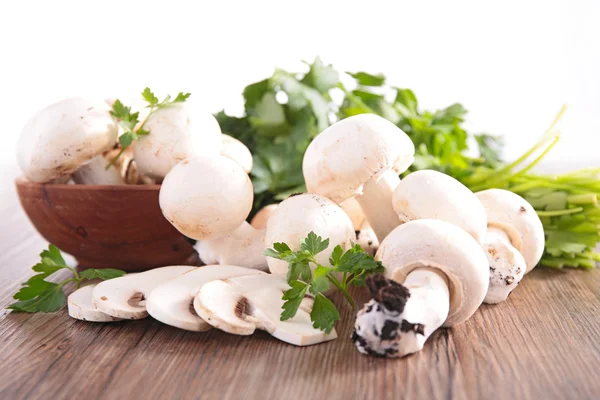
column 445, row 249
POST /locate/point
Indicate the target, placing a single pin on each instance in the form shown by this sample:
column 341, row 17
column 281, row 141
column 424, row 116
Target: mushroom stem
column 507, row 265
column 242, row 247
column 376, row 203
column 95, row 173
column 428, row 305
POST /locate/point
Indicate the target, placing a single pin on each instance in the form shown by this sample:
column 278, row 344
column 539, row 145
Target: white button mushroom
column 511, row 214
column 96, row 173
column 428, row 194
column 124, row 297
column 237, row 151
column 208, row 199
column 300, row 214
column 80, row 306
column 365, row 236
column 259, row 221
column 171, row 302
column 431, row 194
column 176, row 133
column 445, row 277
column 242, row 305
column 360, row 156
column 62, row 137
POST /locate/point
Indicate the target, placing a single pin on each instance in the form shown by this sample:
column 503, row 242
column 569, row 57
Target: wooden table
column 543, row 343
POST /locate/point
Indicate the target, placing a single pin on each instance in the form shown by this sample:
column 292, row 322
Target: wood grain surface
column 543, row 343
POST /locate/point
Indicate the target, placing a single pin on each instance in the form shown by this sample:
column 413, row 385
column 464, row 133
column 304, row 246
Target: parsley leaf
column 39, row 295
column 347, row 269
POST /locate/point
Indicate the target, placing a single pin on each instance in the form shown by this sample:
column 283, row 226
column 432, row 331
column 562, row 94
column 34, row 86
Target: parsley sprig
column 128, row 120
column 39, row 295
column 352, row 265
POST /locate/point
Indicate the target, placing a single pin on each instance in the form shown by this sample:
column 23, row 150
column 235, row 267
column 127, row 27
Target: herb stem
column 344, row 290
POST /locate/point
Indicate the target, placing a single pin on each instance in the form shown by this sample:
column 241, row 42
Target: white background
column 511, row 63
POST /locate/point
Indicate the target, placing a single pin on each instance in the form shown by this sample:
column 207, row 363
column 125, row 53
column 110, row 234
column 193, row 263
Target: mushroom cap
column 429, row 194
column 237, row 151
column 513, row 214
column 170, row 302
column 176, row 133
column 115, row 296
column 206, row 197
column 441, row 245
column 259, row 221
column 297, row 216
column 242, row 305
column 60, row 138
column 81, row 307
column 342, row 158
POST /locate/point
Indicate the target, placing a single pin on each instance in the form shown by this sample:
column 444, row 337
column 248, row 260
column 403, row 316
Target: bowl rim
column 23, row 182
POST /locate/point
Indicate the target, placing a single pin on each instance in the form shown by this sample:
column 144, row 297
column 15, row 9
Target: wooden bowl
column 106, row 226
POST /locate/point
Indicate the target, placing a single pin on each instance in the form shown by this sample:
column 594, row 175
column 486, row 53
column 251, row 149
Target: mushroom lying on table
column 242, row 305
column 440, row 276
column 208, row 199
column 124, row 297
column 66, row 136
column 360, row 156
column 297, row 216
column 170, row 303
column 431, row 194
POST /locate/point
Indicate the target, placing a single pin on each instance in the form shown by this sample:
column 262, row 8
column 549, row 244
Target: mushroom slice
column 297, row 216
column 442, row 278
column 171, row 302
column 360, row 156
column 512, row 214
column 242, row 305
column 62, row 137
column 123, row 297
column 81, row 307
column 236, row 151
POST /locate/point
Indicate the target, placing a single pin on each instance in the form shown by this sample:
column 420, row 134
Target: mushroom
column 171, row 302
column 516, row 221
column 428, row 194
column 365, row 236
column 241, row 305
column 360, row 156
column 259, row 221
column 300, row 214
column 64, row 136
column 208, row 199
column 81, row 307
column 237, row 151
column 176, row 133
column 123, row 297
column 96, row 173
column 441, row 277
column 431, row 194
column 127, row 167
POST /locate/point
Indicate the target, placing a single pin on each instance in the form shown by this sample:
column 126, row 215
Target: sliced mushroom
column 171, row 302
column 61, row 138
column 81, row 307
column 242, row 305
column 297, row 216
column 208, row 199
column 259, row 221
column 176, row 133
column 441, row 277
column 360, row 156
column 124, row 297
column 236, row 151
